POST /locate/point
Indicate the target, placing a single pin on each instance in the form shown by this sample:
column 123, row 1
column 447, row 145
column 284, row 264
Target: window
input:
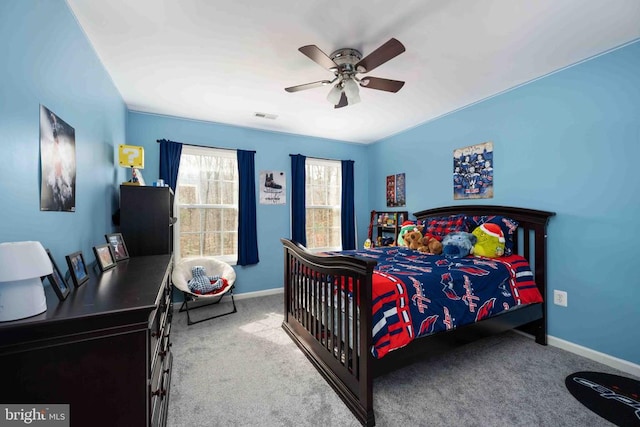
column 207, row 203
column 323, row 180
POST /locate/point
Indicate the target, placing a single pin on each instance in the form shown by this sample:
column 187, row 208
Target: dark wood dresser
column 105, row 350
column 146, row 219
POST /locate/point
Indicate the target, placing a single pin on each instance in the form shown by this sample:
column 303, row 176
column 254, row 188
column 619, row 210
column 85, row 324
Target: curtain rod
column 320, row 158
column 202, row 146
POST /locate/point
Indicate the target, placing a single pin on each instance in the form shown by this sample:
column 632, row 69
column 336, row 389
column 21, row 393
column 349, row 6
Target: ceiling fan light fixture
column 351, row 91
column 350, row 87
column 353, row 99
column 334, row 94
column 345, row 64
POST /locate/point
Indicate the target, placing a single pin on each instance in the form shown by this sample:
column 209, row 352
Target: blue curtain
column 170, row 162
column 347, row 217
column 247, row 230
column 298, row 202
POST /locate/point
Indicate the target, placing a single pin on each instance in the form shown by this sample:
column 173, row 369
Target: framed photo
column 56, row 280
column 104, row 256
column 116, row 241
column 77, row 268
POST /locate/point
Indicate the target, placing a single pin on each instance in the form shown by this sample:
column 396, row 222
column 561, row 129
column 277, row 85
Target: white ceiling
column 223, row 61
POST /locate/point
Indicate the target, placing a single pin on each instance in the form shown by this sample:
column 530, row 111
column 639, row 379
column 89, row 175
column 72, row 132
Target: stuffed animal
column 413, row 240
column 490, row 242
column 458, row 244
column 203, row 284
column 434, row 245
column 406, row 227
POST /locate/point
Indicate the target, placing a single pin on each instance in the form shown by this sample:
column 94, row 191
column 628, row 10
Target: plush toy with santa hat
column 490, row 242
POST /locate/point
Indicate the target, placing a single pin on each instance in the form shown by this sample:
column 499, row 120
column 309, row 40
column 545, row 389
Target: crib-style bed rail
column 326, row 300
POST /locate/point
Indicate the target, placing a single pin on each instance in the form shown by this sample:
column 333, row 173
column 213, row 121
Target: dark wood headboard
column 531, row 238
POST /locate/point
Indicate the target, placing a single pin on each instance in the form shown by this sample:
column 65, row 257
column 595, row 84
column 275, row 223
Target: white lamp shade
column 21, row 291
column 351, row 89
column 353, row 99
column 334, row 94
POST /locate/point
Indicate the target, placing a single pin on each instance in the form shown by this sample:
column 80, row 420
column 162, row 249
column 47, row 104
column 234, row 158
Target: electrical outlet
column 560, row 298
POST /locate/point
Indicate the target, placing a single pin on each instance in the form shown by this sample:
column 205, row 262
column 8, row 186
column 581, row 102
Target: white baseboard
column 605, row 359
column 255, row 294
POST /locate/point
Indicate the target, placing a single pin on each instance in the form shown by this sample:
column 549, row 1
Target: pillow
column 439, row 227
column 507, row 225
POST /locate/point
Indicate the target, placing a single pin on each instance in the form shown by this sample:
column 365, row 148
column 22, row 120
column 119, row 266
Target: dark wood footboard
column 334, row 329
column 326, row 326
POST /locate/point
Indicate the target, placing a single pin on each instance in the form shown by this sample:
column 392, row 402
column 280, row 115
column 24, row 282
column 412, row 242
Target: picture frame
column 104, row 256
column 56, row 280
column 77, row 268
column 118, row 247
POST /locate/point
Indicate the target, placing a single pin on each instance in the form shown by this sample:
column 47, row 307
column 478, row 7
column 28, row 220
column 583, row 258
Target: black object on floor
column 614, row 398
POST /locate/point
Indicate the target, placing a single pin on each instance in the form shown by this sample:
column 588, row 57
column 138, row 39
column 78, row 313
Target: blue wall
column 272, row 153
column 567, row 143
column 46, row 59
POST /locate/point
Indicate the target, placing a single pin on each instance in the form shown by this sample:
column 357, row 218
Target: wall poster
column 57, row 163
column 273, row 186
column 473, row 172
column 396, row 191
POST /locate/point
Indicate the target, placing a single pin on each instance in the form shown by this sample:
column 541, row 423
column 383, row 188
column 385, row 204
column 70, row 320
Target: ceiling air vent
column 265, row 116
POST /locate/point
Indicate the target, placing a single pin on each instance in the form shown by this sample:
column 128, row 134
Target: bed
column 336, row 304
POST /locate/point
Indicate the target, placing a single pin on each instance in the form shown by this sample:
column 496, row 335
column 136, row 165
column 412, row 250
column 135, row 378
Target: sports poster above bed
column 473, row 172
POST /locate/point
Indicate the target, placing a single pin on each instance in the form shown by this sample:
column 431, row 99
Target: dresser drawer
column 160, row 401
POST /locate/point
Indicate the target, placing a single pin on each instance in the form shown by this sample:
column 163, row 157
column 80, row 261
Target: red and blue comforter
column 416, row 294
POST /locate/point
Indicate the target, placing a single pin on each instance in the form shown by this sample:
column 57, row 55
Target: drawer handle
column 162, row 353
column 159, row 392
column 154, row 334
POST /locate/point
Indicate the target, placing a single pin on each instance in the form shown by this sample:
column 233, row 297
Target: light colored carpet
column 243, row 370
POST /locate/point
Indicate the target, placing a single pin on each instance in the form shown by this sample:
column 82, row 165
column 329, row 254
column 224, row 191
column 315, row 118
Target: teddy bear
column 405, row 228
column 427, row 244
column 413, row 240
column 434, row 245
column 202, row 284
column 458, row 244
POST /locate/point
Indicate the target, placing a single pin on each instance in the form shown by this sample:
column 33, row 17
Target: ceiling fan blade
column 387, row 51
column 307, row 86
column 343, row 101
column 381, row 84
column 315, row 54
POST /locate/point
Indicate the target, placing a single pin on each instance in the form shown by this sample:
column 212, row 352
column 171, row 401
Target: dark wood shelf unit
column 386, row 229
column 105, row 350
column 146, row 219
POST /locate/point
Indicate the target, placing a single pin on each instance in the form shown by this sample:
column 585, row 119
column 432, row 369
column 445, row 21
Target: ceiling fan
column 345, row 64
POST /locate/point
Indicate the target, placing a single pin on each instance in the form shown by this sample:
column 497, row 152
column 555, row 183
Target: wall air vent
column 265, row 116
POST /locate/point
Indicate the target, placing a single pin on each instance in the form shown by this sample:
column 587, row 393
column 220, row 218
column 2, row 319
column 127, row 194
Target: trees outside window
column 207, row 204
column 323, row 180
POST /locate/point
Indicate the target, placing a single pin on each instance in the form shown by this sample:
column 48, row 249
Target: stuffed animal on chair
column 202, row 284
column 458, row 244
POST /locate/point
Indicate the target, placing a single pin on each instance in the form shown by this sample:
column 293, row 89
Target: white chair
column 182, row 274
